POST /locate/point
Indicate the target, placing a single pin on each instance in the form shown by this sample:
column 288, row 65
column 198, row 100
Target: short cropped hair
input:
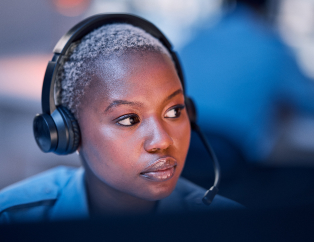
column 74, row 73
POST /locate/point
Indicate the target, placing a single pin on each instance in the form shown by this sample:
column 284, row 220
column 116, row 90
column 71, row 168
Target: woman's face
column 135, row 128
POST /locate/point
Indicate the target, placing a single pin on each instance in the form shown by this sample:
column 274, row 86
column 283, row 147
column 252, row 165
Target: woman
column 122, row 87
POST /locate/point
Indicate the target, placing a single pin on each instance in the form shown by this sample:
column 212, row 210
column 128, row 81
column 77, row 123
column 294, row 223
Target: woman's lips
column 161, row 170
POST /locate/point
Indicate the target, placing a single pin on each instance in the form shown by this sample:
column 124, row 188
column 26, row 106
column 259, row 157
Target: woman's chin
column 160, row 191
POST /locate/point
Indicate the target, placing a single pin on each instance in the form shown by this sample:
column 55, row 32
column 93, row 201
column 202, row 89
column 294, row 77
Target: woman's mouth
column 161, row 170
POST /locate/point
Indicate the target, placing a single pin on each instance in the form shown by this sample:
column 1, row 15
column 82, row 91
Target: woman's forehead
column 120, row 69
column 122, row 76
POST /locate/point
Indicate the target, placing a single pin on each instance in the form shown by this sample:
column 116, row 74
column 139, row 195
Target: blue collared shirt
column 60, row 194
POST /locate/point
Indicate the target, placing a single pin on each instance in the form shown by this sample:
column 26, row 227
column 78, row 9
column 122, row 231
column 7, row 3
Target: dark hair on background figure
column 255, row 4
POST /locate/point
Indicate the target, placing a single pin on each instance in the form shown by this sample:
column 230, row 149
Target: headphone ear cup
column 74, row 134
column 45, row 132
column 191, row 110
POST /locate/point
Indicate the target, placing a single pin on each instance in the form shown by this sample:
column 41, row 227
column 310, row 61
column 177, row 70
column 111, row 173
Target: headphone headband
column 88, row 25
column 83, row 28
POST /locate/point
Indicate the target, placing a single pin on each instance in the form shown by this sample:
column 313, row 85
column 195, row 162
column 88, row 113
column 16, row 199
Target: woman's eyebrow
column 116, row 103
column 174, row 94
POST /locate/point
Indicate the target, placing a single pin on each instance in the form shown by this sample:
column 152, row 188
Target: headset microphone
column 211, row 192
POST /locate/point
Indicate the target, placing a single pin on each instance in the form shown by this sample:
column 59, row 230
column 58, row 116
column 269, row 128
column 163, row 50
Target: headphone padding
column 73, row 128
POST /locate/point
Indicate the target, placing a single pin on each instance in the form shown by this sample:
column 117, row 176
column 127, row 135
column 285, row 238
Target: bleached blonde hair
column 74, row 73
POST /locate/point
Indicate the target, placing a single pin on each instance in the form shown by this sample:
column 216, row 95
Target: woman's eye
column 174, row 112
column 128, row 120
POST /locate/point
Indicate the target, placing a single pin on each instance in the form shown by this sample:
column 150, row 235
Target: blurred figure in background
column 243, row 79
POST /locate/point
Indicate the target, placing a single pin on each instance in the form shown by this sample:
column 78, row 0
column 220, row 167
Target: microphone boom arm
column 210, row 193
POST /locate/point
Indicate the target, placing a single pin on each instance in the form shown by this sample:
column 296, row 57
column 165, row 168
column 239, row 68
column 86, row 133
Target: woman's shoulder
column 187, row 197
column 30, row 199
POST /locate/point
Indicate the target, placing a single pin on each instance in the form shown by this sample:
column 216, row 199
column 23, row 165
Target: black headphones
column 57, row 131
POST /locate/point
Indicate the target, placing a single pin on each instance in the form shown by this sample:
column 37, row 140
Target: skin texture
column 147, row 85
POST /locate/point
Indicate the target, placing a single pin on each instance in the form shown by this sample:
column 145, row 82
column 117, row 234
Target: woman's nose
column 158, row 138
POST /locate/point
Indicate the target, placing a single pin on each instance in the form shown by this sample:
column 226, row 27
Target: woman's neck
column 105, row 200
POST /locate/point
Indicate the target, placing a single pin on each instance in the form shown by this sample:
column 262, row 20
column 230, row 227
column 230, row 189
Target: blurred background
column 248, row 66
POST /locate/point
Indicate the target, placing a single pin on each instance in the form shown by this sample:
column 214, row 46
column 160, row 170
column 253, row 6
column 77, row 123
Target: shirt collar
column 72, row 201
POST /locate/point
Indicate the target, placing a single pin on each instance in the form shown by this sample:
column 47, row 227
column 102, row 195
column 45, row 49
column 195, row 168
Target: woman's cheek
column 118, row 144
